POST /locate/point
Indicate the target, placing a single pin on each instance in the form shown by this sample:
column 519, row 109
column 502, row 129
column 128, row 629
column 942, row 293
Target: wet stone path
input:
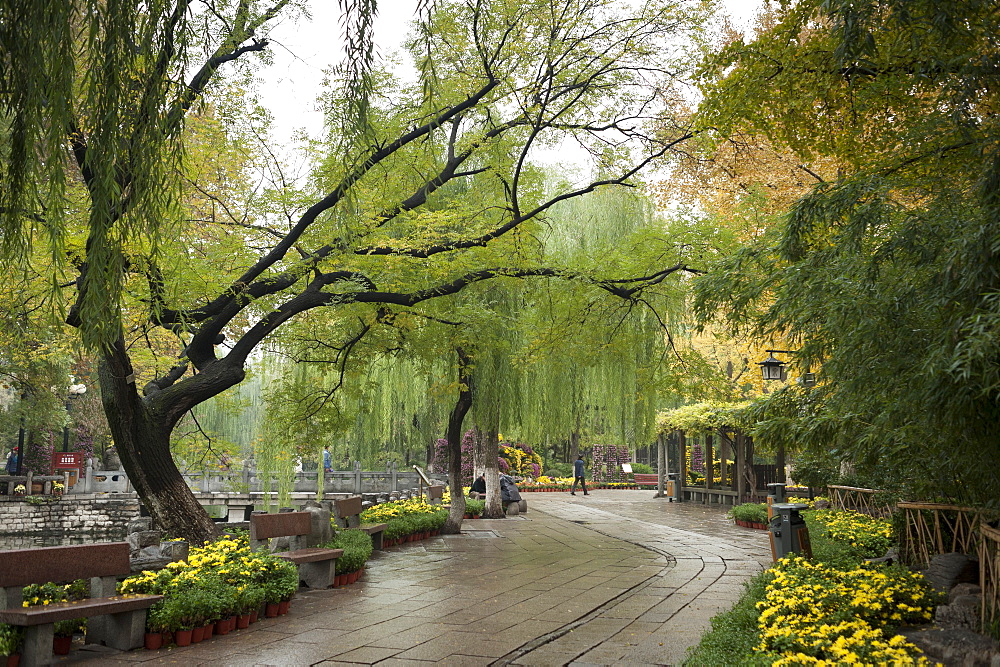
column 617, row 577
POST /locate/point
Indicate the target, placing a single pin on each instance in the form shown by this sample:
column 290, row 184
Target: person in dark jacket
column 478, row 487
column 578, row 469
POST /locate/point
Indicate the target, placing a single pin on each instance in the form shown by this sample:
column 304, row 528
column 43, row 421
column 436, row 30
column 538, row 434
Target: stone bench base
column 317, row 567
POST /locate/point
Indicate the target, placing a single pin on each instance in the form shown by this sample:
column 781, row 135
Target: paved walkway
column 614, row 577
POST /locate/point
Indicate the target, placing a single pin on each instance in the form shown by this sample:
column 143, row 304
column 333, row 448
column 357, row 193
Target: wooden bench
column 120, row 619
column 347, row 514
column 646, row 479
column 317, row 566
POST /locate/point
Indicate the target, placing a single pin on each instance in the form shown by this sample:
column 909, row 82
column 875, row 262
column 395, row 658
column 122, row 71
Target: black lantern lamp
column 771, row 368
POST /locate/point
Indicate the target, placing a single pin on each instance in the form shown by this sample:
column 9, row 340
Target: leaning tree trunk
column 142, row 438
column 491, row 466
column 454, row 437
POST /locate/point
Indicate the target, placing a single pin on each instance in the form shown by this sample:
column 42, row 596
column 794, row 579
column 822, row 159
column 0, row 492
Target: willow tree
column 95, row 97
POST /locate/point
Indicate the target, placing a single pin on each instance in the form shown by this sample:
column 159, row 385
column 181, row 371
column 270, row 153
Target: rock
column 143, row 539
column 322, row 529
column 512, row 509
column 957, row 646
column 964, row 589
column 175, row 551
column 963, row 613
column 947, row 570
column 139, row 524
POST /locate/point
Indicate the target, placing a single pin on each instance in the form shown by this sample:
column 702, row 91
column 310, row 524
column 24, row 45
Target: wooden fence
column 866, row 501
column 989, row 579
column 935, row 528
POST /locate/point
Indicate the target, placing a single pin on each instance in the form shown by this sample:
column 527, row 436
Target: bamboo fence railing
column 935, row 528
column 861, row 500
column 989, row 579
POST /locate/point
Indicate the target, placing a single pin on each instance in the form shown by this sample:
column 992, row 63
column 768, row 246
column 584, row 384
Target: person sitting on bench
column 478, row 487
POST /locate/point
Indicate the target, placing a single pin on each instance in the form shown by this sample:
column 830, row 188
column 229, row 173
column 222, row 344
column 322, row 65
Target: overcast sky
column 303, row 50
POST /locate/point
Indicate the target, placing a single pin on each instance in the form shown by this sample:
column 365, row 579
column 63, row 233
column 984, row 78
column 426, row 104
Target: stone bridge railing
column 355, row 482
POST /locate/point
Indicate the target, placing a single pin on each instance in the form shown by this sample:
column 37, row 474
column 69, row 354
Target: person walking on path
column 327, row 459
column 578, row 476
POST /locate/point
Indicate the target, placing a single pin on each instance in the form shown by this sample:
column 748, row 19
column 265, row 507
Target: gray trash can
column 788, row 531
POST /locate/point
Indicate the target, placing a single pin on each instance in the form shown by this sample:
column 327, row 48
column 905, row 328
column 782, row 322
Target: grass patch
column 734, row 633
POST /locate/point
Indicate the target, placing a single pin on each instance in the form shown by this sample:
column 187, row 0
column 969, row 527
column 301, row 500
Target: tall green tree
column 886, row 271
column 100, row 92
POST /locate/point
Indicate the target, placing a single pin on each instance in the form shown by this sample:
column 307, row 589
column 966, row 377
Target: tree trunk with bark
column 457, row 513
column 491, row 465
column 141, row 427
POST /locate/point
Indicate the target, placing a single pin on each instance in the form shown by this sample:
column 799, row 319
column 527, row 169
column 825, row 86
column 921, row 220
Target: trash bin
column 775, row 494
column 788, row 531
column 674, row 492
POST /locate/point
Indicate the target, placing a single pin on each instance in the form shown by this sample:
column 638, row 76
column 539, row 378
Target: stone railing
column 247, row 481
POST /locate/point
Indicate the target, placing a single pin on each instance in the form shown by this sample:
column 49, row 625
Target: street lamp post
column 75, row 390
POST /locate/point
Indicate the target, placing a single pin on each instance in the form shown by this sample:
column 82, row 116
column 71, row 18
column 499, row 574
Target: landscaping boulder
column 962, row 612
column 956, row 646
column 322, row 529
column 139, row 524
column 945, row 571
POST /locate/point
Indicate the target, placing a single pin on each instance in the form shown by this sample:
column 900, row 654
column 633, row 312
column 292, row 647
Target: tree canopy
column 884, row 273
column 430, row 191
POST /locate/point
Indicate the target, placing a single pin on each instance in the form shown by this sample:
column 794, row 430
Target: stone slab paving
column 616, row 577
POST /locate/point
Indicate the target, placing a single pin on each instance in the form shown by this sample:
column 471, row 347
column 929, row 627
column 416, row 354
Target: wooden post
column 781, row 464
column 709, row 466
column 724, row 453
column 741, row 480
column 682, row 466
column 661, row 464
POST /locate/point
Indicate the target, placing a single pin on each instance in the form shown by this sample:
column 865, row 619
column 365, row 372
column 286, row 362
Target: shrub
column 11, row 637
column 357, row 546
column 474, row 506
column 559, row 470
column 642, row 469
column 813, row 612
column 871, row 537
column 752, row 512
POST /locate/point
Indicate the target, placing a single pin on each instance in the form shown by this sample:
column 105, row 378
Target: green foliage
column 752, row 512
column 700, row 417
column 357, row 546
column 11, row 637
column 642, row 469
column 883, row 273
column 474, row 506
column 817, row 469
column 559, row 470
column 734, row 633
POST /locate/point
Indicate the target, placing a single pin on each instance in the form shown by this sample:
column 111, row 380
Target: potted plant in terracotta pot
column 157, row 621
column 58, row 488
column 11, row 638
column 19, row 490
column 63, row 634
column 249, row 598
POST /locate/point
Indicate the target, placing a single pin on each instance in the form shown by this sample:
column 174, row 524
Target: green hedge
column 752, row 512
column 357, row 546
